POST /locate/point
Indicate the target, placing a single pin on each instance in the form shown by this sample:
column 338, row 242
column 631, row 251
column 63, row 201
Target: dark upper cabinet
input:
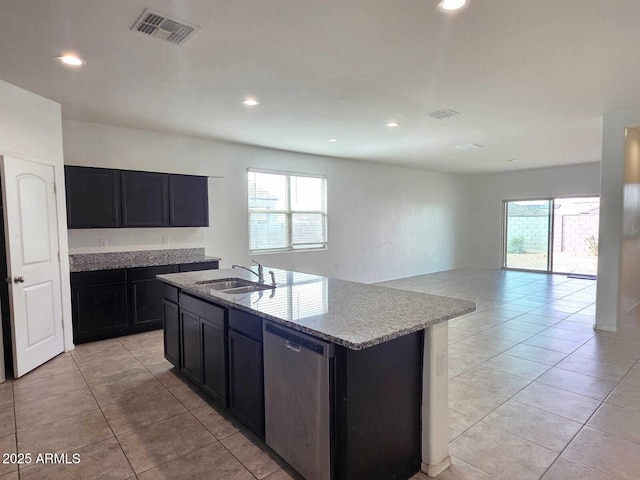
column 99, row 303
column 107, row 198
column 93, row 197
column 188, row 201
column 146, row 293
column 145, row 197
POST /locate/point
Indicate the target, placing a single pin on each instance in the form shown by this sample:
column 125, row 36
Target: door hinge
column 55, row 188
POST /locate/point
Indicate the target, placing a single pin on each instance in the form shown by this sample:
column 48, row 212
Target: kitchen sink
column 234, row 286
column 225, row 283
column 247, row 289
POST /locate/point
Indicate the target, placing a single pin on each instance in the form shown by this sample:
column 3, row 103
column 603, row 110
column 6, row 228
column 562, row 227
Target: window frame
column 288, row 213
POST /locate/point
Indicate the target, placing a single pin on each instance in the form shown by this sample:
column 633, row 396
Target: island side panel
column 435, row 398
column 378, row 410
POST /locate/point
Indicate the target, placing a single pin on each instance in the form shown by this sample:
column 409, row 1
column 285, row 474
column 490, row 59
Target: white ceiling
column 532, row 78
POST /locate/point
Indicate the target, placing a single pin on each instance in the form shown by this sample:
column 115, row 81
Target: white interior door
column 33, row 264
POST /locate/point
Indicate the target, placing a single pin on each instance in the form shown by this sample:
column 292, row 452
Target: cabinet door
column 146, row 293
column 214, row 361
column 191, row 346
column 144, row 199
column 93, row 197
column 99, row 303
column 188, row 201
column 171, row 320
column 246, row 381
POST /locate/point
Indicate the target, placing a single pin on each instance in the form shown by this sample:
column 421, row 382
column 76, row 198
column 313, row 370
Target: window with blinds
column 287, row 212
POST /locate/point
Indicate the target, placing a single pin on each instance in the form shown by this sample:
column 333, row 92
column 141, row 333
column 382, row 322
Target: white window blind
column 286, row 212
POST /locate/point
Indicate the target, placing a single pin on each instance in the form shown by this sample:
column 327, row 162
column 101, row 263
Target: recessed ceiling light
column 392, row 124
column 250, row 102
column 468, row 146
column 333, row 140
column 71, row 60
column 451, row 5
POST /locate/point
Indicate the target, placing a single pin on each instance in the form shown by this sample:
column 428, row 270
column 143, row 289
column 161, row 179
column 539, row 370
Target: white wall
column 629, row 294
column 609, row 298
column 488, row 191
column 30, row 128
column 384, row 222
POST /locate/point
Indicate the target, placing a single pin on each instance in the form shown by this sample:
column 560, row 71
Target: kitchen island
column 379, row 400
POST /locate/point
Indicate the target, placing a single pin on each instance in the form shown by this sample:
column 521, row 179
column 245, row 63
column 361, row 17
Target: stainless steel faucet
column 260, row 273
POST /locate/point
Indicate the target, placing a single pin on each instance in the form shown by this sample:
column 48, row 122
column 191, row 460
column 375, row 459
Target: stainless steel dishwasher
column 297, row 396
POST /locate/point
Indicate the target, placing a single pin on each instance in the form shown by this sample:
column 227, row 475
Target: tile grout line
column 587, row 421
column 105, row 418
column 199, row 421
column 512, row 396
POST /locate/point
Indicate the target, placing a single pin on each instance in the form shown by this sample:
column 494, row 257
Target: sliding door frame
column 552, row 221
column 505, row 226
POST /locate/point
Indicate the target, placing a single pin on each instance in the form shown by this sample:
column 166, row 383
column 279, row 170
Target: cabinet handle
column 18, row 279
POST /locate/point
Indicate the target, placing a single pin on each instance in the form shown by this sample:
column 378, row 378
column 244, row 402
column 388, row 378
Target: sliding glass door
column 557, row 235
column 528, row 234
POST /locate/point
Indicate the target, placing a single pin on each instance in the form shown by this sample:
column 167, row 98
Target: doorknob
column 18, row 279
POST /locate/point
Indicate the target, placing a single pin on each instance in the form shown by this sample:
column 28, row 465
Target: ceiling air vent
column 165, row 27
column 442, row 114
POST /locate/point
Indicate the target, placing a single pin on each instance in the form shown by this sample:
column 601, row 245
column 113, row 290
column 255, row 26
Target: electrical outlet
column 102, row 242
column 165, row 240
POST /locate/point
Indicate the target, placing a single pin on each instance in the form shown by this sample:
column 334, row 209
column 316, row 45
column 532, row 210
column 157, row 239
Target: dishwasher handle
column 292, row 346
column 297, row 341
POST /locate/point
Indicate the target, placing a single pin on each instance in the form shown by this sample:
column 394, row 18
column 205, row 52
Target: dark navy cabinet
column 99, row 304
column 203, row 342
column 246, row 373
column 111, row 303
column 109, row 198
column 93, row 197
column 145, row 199
column 145, row 293
column 188, row 201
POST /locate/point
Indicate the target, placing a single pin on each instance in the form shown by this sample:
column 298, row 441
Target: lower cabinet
column 214, row 360
column 100, row 305
column 204, row 346
column 191, row 363
column 112, row 303
column 171, row 319
column 145, row 294
column 246, row 382
column 220, row 350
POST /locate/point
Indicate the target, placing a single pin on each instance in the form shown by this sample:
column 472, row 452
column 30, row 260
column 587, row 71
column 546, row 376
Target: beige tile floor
column 534, row 393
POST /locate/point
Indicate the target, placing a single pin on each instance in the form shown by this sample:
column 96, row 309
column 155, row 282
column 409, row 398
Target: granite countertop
column 354, row 315
column 90, row 262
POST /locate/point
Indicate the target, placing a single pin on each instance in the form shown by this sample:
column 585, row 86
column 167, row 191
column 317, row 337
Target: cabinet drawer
column 209, row 312
column 80, row 279
column 170, row 293
column 149, row 273
column 245, row 323
column 192, row 267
